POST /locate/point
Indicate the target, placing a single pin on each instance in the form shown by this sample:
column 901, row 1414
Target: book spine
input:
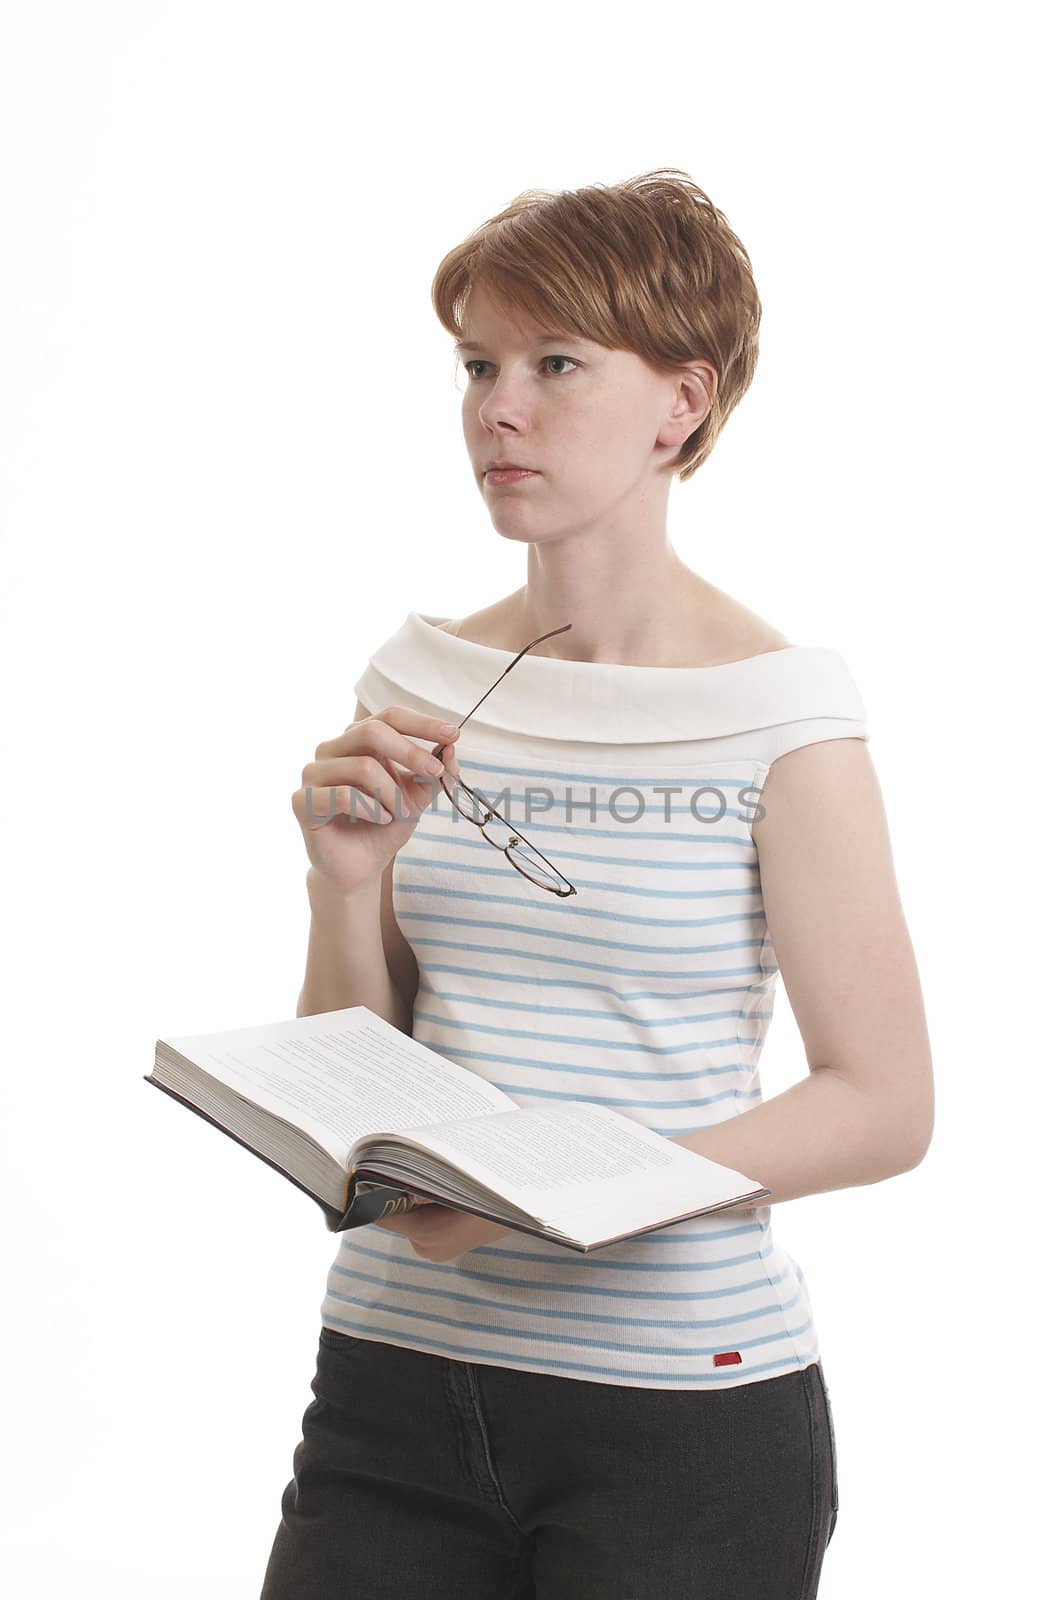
column 370, row 1203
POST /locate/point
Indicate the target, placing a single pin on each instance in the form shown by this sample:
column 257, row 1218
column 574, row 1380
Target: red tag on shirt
column 728, row 1359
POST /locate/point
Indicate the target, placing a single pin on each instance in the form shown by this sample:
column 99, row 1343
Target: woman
column 683, row 805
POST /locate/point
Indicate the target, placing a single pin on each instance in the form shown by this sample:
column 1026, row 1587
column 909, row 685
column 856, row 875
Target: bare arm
column 866, row 1110
column 346, row 963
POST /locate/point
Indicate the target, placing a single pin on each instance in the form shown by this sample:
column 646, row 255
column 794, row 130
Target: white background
column 233, row 462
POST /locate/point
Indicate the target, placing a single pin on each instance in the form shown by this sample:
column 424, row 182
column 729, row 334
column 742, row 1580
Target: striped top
column 650, row 990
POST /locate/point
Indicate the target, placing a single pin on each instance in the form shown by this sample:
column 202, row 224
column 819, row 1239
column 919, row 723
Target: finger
column 407, row 1222
column 366, row 767
column 391, row 733
column 315, row 808
column 447, row 753
column 393, row 1224
column 417, row 791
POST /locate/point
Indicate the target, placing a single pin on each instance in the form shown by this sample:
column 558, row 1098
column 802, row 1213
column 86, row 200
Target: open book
column 366, row 1120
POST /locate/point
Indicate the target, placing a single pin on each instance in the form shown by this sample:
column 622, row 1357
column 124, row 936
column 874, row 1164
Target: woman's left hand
column 439, row 1233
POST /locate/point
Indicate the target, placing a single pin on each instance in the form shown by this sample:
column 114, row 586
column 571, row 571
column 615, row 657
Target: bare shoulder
column 761, row 641
column 736, row 631
column 489, row 627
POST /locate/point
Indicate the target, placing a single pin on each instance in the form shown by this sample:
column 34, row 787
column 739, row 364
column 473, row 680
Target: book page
column 340, row 1075
column 579, row 1163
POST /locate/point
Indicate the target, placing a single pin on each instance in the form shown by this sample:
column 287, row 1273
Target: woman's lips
column 509, row 474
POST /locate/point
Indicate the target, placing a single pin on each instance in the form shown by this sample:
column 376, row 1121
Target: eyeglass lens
column 533, row 865
column 498, row 834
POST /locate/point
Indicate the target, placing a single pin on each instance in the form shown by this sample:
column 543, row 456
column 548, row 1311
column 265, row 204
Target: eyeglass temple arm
column 512, row 664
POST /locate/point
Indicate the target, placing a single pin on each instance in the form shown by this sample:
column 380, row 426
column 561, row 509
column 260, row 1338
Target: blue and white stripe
column 649, row 991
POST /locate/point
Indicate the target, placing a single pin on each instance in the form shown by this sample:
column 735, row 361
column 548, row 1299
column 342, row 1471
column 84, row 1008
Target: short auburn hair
column 648, row 265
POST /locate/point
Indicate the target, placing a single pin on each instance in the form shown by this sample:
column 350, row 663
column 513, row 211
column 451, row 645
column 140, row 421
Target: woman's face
column 599, row 427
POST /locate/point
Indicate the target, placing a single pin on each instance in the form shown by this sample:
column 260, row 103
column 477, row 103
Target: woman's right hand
column 374, row 768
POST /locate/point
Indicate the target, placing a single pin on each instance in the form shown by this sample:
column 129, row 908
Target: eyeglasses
column 530, row 862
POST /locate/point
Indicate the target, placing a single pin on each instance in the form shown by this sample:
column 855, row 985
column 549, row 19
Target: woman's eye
column 568, row 359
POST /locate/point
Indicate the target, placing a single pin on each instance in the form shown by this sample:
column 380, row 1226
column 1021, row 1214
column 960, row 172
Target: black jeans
column 419, row 1477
